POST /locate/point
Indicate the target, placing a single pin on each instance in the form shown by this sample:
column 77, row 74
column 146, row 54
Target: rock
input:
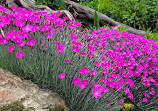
column 32, row 1
column 13, row 88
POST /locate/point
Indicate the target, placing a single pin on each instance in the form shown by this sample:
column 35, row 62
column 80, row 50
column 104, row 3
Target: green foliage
column 136, row 13
column 96, row 20
column 60, row 3
column 121, row 29
column 52, row 3
column 43, row 2
column 151, row 35
column 15, row 106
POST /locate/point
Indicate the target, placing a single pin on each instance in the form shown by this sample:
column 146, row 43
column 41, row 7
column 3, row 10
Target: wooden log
column 79, row 11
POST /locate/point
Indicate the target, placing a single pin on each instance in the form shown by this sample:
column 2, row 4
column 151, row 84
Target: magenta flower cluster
column 120, row 60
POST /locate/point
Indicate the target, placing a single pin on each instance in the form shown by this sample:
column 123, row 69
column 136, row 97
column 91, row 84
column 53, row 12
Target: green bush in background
column 54, row 4
column 136, row 13
column 140, row 14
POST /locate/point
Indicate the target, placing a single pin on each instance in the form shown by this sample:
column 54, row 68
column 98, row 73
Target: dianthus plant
column 92, row 72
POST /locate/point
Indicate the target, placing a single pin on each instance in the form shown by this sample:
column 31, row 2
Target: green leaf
column 49, row 2
column 96, row 20
column 38, row 3
column 60, row 3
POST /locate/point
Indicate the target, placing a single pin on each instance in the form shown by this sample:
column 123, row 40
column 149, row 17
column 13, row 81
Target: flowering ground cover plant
column 99, row 71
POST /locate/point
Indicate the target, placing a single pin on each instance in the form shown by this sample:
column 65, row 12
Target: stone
column 14, row 88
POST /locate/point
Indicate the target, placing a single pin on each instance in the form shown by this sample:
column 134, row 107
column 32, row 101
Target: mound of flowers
column 99, row 71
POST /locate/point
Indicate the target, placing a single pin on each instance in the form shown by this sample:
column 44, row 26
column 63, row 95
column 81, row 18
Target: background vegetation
column 140, row 14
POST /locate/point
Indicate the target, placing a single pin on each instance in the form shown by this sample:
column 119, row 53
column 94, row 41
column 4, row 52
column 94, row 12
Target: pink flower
column 145, row 94
column 74, row 43
column 109, row 78
column 100, row 88
column 3, row 40
column 70, row 25
column 108, row 106
column 13, row 7
column 76, row 49
column 117, row 43
column 85, row 81
column 85, row 70
column 118, row 87
column 42, row 42
column 31, row 42
column 48, row 35
column 46, row 46
column 104, row 71
column 79, row 33
column 103, row 80
column 85, row 30
column 121, row 81
column 60, row 48
column 145, row 99
column 43, row 28
column 97, row 63
column 105, row 90
column 57, row 43
column 84, row 54
column 126, row 90
column 132, row 85
column 20, row 54
column 121, row 102
column 67, row 60
column 95, row 84
column 82, row 85
column 34, row 28
column 151, row 92
column 96, row 93
column 52, row 30
column 151, row 102
column 81, row 71
column 86, row 36
column 91, row 55
column 74, row 38
column 61, row 76
column 61, row 26
column 25, row 35
column 130, row 82
column 76, row 81
column 73, row 35
column 21, row 44
column 11, row 48
column 79, row 44
column 26, row 28
column 93, row 72
column 130, row 95
column 78, row 24
column 91, row 49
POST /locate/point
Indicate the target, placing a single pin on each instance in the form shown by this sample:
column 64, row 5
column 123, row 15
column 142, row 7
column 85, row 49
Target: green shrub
column 136, row 13
column 55, row 4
